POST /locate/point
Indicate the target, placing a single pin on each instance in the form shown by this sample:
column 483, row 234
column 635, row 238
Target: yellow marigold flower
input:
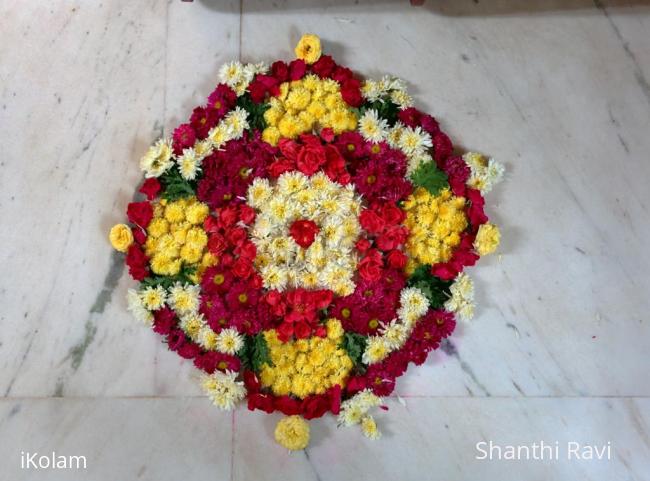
column 174, row 212
column 298, row 98
column 120, row 237
column 334, row 329
column 308, row 48
column 487, row 239
column 197, row 212
column 273, row 116
column 157, row 227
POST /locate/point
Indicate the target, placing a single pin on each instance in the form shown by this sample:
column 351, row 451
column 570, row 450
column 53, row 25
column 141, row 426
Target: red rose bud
column 363, row 245
column 280, row 71
column 324, row 66
column 140, row 213
column 351, row 93
column 246, row 214
column 304, row 232
column 139, row 234
column 371, row 222
column 320, row 331
column 217, row 244
column 150, row 188
column 396, row 259
column 297, row 69
column 310, row 158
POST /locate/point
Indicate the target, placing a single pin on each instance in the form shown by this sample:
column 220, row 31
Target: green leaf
column 354, row 344
column 429, row 176
column 255, row 111
column 434, row 288
column 255, row 352
column 385, row 108
column 174, row 187
column 167, row 281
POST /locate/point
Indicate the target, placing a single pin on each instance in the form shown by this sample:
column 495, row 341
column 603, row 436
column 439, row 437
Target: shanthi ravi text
column 542, row 451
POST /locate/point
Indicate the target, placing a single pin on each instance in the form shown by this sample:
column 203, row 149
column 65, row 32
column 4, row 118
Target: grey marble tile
column 148, row 439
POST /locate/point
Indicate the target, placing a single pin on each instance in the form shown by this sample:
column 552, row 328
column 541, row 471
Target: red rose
column 139, row 234
column 236, row 236
column 255, row 281
column 279, row 167
column 327, row 134
column 392, row 237
column 150, row 188
column 285, row 331
column 228, row 216
column 310, row 158
column 314, row 406
column 396, row 259
column 341, row 74
column 322, row 298
column 287, row 405
column 320, row 331
column 289, row 148
column 444, row 271
column 137, row 261
column 139, row 213
column 257, row 90
column 335, row 399
column 211, row 224
column 280, row 71
column 251, row 381
column 217, row 244
column 351, row 92
column 363, row 245
column 297, row 69
column 371, row 222
column 302, row 330
column 475, row 212
column 263, row 402
column 246, row 214
column 324, row 66
column 246, row 250
column 392, row 214
column 335, row 163
column 304, row 232
column 370, row 267
column 242, row 268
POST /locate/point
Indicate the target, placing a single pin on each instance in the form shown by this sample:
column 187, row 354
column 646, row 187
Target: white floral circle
column 331, row 260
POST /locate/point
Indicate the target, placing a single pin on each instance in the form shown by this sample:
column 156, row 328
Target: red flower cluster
column 298, row 311
column 269, row 84
column 220, row 102
column 380, row 377
column 310, row 155
column 310, row 408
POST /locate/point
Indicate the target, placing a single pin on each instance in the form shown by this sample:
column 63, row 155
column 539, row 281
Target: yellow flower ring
column 303, row 238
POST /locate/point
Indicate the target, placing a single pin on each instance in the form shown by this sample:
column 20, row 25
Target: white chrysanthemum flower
column 219, row 135
column 369, row 428
column 485, row 173
column 402, row 99
column 395, row 334
column 394, row 134
column 135, row 305
column 189, row 164
column 192, row 323
column 414, row 141
column 157, row 159
column 376, row 350
column 274, row 277
column 371, row 127
column 461, row 301
column 394, row 83
column 207, row 338
column 237, row 122
column 184, row 299
column 259, row 192
column 354, row 409
column 231, row 73
column 203, row 148
column 153, row 298
column 370, row 91
column 223, row 389
column 413, row 300
column 415, row 161
column 229, row 341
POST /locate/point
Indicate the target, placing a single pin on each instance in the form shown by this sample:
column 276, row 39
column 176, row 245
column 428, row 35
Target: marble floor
column 559, row 351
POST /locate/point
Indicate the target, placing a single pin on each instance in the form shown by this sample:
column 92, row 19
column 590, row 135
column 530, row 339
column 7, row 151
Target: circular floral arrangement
column 303, row 239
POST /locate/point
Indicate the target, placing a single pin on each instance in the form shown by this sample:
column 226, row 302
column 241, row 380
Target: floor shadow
column 451, row 8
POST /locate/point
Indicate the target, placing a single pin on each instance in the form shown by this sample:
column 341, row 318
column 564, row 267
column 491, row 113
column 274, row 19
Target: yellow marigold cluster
column 175, row 237
column 304, row 105
column 435, row 224
column 306, row 366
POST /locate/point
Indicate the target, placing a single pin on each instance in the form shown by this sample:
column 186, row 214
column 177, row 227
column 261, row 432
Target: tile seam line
column 144, row 398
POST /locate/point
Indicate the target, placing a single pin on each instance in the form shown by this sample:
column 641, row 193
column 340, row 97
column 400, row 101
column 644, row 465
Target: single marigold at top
column 308, row 48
